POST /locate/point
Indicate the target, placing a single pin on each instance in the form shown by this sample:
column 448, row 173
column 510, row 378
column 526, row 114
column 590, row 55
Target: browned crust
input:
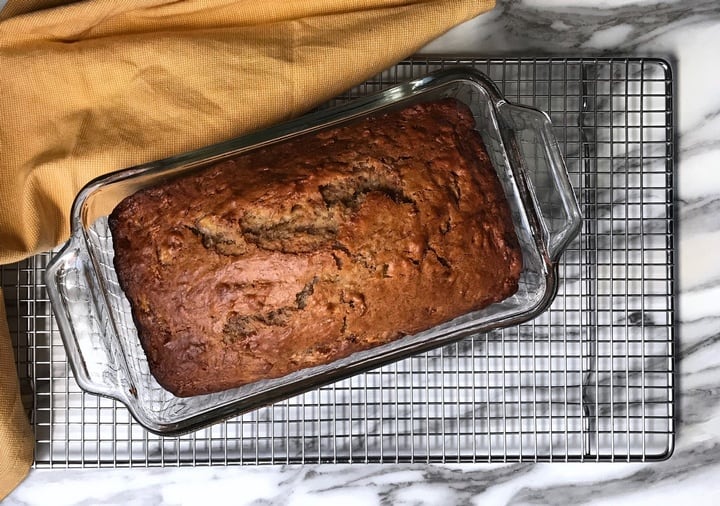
column 302, row 253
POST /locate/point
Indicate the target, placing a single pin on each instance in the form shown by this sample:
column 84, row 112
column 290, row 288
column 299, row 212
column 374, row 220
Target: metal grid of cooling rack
column 591, row 379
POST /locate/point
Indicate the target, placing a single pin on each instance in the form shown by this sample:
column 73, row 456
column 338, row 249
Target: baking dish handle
column 80, row 321
column 546, row 175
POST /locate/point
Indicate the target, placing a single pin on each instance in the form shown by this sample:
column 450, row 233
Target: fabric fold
column 16, row 438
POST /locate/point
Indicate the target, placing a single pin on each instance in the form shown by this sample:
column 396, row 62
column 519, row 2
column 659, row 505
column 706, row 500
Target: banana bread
column 304, row 252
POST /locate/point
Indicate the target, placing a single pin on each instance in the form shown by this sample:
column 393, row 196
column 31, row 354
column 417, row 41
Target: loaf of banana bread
column 303, row 252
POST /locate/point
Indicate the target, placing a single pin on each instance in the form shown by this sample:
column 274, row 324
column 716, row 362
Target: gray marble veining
column 687, row 32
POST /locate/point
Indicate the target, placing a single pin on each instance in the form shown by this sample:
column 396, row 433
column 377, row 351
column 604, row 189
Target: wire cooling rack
column 591, row 379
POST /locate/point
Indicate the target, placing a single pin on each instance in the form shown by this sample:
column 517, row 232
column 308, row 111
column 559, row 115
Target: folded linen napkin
column 88, row 87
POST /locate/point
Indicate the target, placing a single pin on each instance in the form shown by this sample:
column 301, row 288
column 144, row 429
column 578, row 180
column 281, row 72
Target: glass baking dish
column 94, row 317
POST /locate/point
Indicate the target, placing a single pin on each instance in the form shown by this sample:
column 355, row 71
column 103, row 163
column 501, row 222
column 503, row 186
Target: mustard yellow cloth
column 16, row 438
column 97, row 85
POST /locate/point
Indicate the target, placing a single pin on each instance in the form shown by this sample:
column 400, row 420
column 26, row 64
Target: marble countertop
column 687, row 33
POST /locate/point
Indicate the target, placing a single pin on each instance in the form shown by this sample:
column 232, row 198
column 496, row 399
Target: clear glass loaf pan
column 94, row 316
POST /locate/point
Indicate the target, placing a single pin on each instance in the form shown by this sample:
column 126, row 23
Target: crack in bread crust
column 307, row 225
